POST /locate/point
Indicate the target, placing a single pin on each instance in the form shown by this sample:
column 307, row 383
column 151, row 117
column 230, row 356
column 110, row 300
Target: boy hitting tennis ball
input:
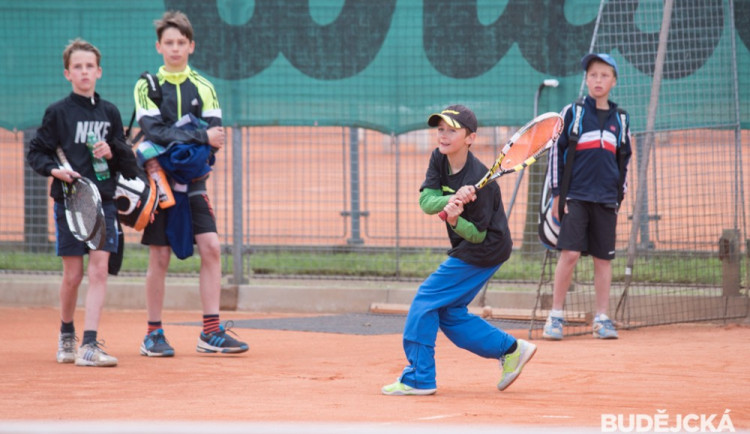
column 480, row 243
column 66, row 124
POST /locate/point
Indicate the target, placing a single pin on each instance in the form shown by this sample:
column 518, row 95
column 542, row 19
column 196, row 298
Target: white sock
column 556, row 313
column 601, row 317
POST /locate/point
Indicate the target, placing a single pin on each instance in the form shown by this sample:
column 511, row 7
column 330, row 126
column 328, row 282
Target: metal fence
column 338, row 198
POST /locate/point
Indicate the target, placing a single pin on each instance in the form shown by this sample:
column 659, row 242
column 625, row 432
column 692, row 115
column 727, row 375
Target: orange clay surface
column 302, row 376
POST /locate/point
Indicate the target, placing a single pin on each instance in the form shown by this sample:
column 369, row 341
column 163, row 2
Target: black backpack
column 154, row 94
column 135, row 199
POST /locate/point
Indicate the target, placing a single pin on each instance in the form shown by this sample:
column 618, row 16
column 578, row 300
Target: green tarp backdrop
column 380, row 64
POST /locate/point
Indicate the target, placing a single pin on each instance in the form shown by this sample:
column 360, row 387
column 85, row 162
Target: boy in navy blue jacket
column 593, row 197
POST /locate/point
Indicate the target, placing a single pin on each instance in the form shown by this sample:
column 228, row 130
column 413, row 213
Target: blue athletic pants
column 441, row 303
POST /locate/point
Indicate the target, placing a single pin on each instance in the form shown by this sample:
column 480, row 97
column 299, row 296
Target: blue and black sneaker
column 156, row 345
column 220, row 342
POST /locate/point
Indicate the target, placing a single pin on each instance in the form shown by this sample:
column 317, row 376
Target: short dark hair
column 79, row 44
column 175, row 19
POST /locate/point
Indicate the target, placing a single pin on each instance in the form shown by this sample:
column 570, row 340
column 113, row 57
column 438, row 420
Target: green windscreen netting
column 378, row 64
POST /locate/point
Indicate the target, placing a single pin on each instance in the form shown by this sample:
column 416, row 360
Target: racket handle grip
column 443, row 215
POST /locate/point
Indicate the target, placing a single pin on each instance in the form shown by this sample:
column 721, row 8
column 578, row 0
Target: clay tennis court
column 292, row 376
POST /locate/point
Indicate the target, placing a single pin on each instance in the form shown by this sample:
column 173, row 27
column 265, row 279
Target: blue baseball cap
column 606, row 58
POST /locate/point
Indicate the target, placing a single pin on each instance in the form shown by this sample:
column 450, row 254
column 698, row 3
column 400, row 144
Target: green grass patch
column 666, row 268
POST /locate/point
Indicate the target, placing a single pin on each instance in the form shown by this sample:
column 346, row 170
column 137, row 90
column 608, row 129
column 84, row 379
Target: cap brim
column 434, row 120
column 588, row 58
column 594, row 56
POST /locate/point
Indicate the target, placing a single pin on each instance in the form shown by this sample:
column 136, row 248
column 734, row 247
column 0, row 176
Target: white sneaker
column 92, row 355
column 66, row 348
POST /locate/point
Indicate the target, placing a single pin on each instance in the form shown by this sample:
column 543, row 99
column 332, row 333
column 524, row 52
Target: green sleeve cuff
column 468, row 231
column 432, row 201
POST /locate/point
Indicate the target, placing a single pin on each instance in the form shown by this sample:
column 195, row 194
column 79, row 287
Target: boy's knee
column 72, row 278
column 209, row 247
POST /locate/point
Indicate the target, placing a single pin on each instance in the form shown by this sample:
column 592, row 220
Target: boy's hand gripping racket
column 523, row 149
column 83, row 208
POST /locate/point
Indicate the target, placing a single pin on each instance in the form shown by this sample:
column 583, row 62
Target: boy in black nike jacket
column 66, row 124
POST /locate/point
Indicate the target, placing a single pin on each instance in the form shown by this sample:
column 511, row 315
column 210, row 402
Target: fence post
column 238, row 265
column 355, row 213
column 729, row 255
column 35, row 203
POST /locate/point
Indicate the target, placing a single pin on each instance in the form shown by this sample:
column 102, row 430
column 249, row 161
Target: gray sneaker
column 92, row 355
column 604, row 329
column 66, row 348
column 156, row 345
column 553, row 329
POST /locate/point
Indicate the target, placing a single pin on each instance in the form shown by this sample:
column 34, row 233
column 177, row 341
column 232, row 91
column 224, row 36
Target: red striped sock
column 210, row 323
column 153, row 325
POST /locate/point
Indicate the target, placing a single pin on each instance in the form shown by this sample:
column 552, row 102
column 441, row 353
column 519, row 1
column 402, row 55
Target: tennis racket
column 523, row 149
column 83, row 208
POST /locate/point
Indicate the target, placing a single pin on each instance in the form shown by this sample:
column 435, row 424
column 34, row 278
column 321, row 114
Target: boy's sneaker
column 156, row 345
column 604, row 328
column 66, row 348
column 220, row 342
column 513, row 363
column 91, row 355
column 553, row 328
column 400, row 389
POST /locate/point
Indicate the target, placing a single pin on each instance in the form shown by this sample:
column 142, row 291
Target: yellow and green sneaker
column 513, row 363
column 399, row 389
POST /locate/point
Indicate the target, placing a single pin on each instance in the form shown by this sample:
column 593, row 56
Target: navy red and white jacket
column 596, row 172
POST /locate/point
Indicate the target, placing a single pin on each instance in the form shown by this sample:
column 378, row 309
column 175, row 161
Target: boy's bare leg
column 210, row 273
column 566, row 264
column 602, row 283
column 97, row 292
column 71, row 280
column 90, row 353
column 210, row 287
column 158, row 263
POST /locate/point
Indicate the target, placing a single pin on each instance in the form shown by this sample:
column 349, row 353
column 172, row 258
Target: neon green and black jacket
column 182, row 93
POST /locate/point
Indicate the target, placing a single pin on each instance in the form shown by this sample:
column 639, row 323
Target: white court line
column 440, row 416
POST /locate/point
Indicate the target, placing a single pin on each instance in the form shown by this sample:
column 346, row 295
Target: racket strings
column 531, row 142
column 83, row 209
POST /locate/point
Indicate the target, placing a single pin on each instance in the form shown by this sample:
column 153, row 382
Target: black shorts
column 202, row 215
column 589, row 228
column 67, row 245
